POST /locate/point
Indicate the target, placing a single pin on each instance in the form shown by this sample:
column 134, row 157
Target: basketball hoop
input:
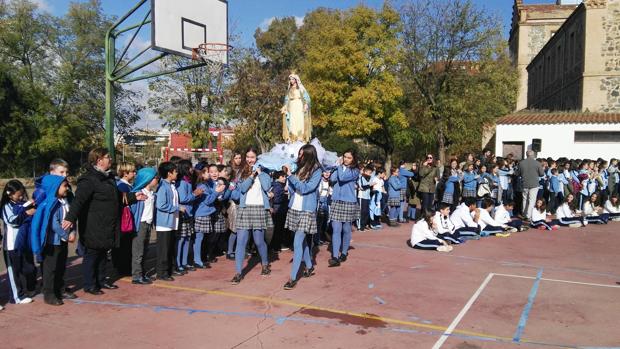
column 211, row 52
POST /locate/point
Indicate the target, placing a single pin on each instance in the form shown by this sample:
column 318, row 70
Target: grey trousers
column 138, row 249
column 529, row 200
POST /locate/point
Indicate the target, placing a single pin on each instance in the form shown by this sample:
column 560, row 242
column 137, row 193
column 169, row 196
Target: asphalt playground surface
column 535, row 289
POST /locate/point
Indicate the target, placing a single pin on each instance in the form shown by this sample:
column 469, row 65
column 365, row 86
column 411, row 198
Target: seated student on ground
column 539, row 217
column 488, row 225
column 593, row 212
column 612, row 207
column 503, row 215
column 442, row 225
column 565, row 213
column 464, row 223
column 423, row 237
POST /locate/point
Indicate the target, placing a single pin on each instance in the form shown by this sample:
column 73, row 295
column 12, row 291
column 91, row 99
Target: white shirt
column 254, row 196
column 589, row 209
column 502, row 215
column 538, row 216
column 378, row 184
column 325, row 189
column 421, row 232
column 609, row 208
column 461, row 217
column 443, row 225
column 486, row 219
column 149, row 204
column 564, row 211
column 297, row 202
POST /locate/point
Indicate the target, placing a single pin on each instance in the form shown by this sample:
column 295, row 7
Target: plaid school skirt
column 253, row 217
column 469, row 193
column 203, row 224
column 448, row 198
column 341, row 211
column 186, row 227
column 301, row 221
column 393, row 202
column 219, row 222
column 403, row 194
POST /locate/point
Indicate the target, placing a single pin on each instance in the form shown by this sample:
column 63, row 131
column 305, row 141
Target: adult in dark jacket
column 530, row 170
column 427, row 174
column 97, row 209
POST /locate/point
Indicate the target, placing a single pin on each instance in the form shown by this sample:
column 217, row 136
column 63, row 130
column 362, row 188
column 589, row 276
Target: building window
column 597, row 136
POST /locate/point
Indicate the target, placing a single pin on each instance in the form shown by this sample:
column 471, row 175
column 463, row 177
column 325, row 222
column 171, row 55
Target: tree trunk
column 441, row 146
column 261, row 144
column 388, row 160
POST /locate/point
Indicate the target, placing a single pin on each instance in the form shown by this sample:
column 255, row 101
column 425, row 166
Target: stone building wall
column 610, row 51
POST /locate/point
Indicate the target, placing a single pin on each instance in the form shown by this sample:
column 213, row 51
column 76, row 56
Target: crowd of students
column 202, row 211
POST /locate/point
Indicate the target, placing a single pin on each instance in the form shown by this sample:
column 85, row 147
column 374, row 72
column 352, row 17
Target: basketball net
column 211, row 52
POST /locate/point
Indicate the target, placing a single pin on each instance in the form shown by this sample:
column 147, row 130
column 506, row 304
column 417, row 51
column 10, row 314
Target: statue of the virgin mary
column 296, row 119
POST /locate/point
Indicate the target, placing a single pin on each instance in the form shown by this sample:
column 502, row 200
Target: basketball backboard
column 178, row 26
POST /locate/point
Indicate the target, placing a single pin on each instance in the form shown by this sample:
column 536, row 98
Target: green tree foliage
column 190, row 101
column 254, row 101
column 456, row 72
column 349, row 66
column 279, row 45
column 54, row 66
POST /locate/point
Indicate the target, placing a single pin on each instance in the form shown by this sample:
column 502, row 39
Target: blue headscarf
column 143, row 178
column 42, row 218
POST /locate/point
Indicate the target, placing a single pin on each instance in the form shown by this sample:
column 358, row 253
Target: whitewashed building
column 563, row 134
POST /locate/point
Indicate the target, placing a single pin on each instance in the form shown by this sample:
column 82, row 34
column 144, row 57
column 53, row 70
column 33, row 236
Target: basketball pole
column 118, row 70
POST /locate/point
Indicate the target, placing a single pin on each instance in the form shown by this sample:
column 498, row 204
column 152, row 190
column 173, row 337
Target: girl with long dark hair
column 301, row 217
column 253, row 215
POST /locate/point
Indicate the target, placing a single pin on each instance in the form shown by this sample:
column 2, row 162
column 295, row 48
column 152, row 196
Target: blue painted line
column 526, row 311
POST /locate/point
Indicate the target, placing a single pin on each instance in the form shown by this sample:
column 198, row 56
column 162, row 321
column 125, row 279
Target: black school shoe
column 236, row 279
column 109, row 286
column 94, row 291
column 289, row 285
column 68, row 295
column 333, row 262
column 308, row 273
column 141, row 281
column 266, row 270
column 342, row 258
column 52, row 300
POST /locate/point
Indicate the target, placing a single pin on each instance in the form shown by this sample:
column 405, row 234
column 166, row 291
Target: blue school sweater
column 165, row 206
column 308, row 190
column 393, row 187
column 344, row 181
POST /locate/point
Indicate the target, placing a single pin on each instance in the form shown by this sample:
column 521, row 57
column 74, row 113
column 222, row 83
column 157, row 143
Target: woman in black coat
column 97, row 208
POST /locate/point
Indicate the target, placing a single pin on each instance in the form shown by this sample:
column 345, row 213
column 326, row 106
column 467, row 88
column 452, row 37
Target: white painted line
column 460, row 316
column 558, row 280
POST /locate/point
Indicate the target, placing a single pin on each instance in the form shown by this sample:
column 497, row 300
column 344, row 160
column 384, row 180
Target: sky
column 245, row 16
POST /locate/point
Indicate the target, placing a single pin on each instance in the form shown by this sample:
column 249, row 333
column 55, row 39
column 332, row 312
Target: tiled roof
column 542, row 118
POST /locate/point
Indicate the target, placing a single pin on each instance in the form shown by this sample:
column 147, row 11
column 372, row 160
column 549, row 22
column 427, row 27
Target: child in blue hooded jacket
column 50, row 240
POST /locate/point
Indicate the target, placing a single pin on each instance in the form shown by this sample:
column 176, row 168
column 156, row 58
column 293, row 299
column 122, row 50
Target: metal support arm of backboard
column 117, row 70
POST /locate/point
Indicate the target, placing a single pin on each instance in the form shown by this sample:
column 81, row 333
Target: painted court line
column 558, row 280
column 526, row 310
column 330, row 310
column 460, row 315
